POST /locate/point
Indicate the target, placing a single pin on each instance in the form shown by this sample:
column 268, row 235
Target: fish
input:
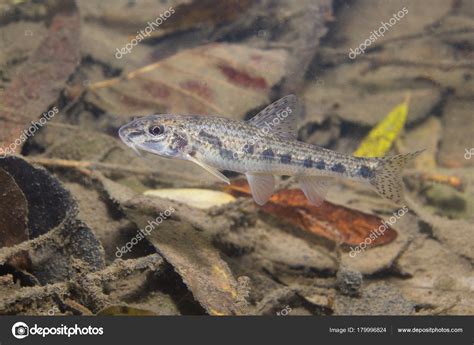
column 263, row 147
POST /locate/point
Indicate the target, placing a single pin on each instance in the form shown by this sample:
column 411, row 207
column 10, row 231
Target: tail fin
column 388, row 179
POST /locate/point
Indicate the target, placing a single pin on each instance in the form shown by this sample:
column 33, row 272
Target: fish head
column 163, row 135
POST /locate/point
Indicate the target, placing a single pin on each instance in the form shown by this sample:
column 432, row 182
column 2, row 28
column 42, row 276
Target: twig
column 87, row 165
column 130, row 75
column 450, row 180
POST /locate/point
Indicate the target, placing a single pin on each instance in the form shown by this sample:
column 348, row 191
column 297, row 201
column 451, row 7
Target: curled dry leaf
column 334, row 222
column 51, row 212
column 48, row 202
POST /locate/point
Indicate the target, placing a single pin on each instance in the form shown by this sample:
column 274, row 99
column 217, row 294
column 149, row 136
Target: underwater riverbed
column 88, row 227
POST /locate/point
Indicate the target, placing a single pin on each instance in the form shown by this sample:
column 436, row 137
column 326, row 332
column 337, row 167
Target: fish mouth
column 126, row 134
column 135, row 138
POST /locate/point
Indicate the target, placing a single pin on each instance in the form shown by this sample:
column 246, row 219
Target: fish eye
column 156, row 130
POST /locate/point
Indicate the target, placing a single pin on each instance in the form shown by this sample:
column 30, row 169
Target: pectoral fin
column 315, row 188
column 262, row 186
column 210, row 169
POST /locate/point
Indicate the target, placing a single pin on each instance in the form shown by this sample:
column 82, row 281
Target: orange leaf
column 334, row 222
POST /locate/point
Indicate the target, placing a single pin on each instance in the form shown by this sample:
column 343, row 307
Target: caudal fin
column 388, row 179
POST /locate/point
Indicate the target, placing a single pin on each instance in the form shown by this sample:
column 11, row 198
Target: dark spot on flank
column 212, row 139
column 308, row 163
column 339, row 168
column 226, row 154
column 248, row 149
column 285, row 159
column 321, row 165
column 366, row 172
column 268, row 154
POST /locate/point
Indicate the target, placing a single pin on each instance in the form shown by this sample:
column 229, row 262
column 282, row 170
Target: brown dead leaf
column 192, row 255
column 13, row 219
column 49, row 203
column 13, row 212
column 334, row 222
column 189, row 251
column 40, row 80
column 203, row 80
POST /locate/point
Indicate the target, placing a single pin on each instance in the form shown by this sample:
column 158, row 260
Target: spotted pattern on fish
column 249, row 149
column 366, row 172
column 320, row 165
column 268, row 154
column 178, row 142
column 211, row 139
column 285, row 158
column 339, row 168
column 226, row 154
column 308, row 163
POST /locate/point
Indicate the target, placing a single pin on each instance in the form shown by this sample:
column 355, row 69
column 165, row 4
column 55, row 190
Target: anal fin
column 315, row 188
column 261, row 186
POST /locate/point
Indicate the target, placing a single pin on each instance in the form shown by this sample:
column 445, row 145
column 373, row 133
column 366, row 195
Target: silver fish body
column 241, row 147
column 261, row 148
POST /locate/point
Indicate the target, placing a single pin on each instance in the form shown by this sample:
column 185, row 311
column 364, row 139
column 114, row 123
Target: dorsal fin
column 280, row 118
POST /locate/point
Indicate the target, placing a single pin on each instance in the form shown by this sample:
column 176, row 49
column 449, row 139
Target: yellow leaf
column 380, row 139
